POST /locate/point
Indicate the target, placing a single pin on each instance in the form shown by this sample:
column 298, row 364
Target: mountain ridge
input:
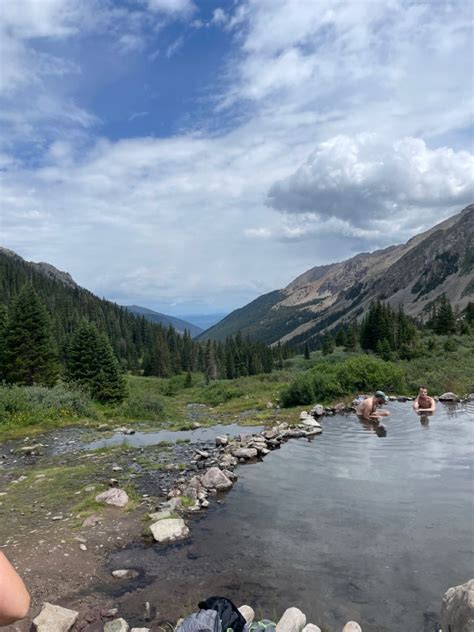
column 438, row 260
column 163, row 319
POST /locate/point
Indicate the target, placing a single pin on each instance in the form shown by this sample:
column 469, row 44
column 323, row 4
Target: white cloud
column 367, row 177
column 184, row 7
column 174, row 47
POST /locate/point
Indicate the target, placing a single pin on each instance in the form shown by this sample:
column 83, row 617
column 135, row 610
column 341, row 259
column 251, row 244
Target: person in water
column 424, row 403
column 369, row 409
column 14, row 598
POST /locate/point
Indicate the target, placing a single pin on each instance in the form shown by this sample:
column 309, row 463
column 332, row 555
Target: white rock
column 317, row 410
column 55, row 619
column 457, row 609
column 115, row 496
column 214, row 478
column 310, row 627
column 448, row 397
column 248, row 614
column 222, row 440
column 304, row 415
column 117, row 625
column 140, row 630
column 124, row 573
column 293, row 620
column 310, row 422
column 169, row 530
column 245, row 453
column 352, row 626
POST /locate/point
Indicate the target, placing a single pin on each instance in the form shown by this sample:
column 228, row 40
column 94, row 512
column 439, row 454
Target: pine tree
column 29, row 354
column 341, row 337
column 328, row 344
column 469, row 313
column 307, row 355
column 444, row 320
column 91, row 364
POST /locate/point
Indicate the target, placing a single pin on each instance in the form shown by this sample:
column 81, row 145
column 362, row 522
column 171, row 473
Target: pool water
column 351, row 525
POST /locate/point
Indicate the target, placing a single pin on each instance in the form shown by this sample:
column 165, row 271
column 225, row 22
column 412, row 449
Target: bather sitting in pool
column 368, row 410
column 424, row 403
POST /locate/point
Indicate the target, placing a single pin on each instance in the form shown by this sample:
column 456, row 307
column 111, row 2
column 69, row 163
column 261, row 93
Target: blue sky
column 189, row 155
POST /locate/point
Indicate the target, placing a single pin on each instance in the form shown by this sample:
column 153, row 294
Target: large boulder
column 310, row 627
column 311, row 422
column 318, row 410
column 215, row 478
column 293, row 620
column 457, row 609
column 114, row 496
column 117, row 625
column 55, row 619
column 448, row 397
column 222, row 440
column 169, row 530
column 304, row 414
column 352, row 626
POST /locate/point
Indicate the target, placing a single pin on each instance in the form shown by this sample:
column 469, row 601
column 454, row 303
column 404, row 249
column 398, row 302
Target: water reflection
column 373, row 426
column 424, row 417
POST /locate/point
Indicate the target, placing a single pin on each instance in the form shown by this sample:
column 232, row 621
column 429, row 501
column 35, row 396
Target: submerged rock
column 214, row 478
column 457, row 608
column 169, row 530
column 293, row 620
column 55, row 619
column 114, row 496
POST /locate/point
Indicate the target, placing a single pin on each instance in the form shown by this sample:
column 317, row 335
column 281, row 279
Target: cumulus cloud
column 183, row 7
column 366, row 177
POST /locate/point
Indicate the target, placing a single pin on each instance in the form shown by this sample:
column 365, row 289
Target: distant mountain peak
column 44, row 268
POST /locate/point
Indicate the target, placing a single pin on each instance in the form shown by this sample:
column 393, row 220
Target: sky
column 191, row 155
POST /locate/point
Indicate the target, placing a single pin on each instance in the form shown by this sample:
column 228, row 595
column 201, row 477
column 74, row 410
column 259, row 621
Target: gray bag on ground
column 202, row 621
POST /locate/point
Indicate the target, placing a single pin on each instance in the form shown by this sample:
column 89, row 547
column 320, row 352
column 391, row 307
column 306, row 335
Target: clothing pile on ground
column 218, row 614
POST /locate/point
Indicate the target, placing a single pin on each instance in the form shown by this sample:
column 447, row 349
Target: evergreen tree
column 3, row 329
column 328, row 344
column 352, row 337
column 469, row 313
column 91, row 364
column 307, row 355
column 444, row 320
column 29, row 354
column 341, row 337
column 188, row 382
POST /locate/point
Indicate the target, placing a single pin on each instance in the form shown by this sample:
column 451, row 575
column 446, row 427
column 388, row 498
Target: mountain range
column 164, row 319
column 415, row 274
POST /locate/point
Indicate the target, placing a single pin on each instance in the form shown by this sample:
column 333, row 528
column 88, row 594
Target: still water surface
column 351, row 525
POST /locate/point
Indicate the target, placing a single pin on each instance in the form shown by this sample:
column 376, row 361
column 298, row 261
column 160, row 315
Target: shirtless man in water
column 367, row 409
column 424, row 403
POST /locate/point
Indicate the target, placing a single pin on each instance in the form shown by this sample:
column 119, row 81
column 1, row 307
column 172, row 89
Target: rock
column 392, row 398
column 311, row 432
column 201, row 454
column 310, row 422
column 92, row 521
column 448, row 397
column 228, row 461
column 140, row 630
column 214, row 478
column 169, row 530
column 245, row 453
column 470, row 397
column 402, row 398
column 55, row 619
column 340, row 408
column 304, row 415
column 310, row 627
column 204, row 503
column 117, row 468
column 293, row 620
column 457, row 608
column 352, row 626
column 222, row 440
column 160, row 515
column 296, row 434
column 196, row 425
column 117, row 625
column 125, row 573
column 269, row 405
column 248, row 614
column 317, row 410
column 114, row 496
column 30, row 449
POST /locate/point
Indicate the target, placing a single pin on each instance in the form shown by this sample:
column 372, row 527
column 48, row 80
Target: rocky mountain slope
column 440, row 260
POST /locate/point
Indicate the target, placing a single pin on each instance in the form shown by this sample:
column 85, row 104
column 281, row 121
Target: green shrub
column 219, row 393
column 326, row 380
column 30, row 405
column 144, row 405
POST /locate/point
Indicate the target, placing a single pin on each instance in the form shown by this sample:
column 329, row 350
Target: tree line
column 390, row 333
column 30, row 352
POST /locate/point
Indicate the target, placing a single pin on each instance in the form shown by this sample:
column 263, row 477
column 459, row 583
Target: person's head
column 380, row 397
column 423, row 391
